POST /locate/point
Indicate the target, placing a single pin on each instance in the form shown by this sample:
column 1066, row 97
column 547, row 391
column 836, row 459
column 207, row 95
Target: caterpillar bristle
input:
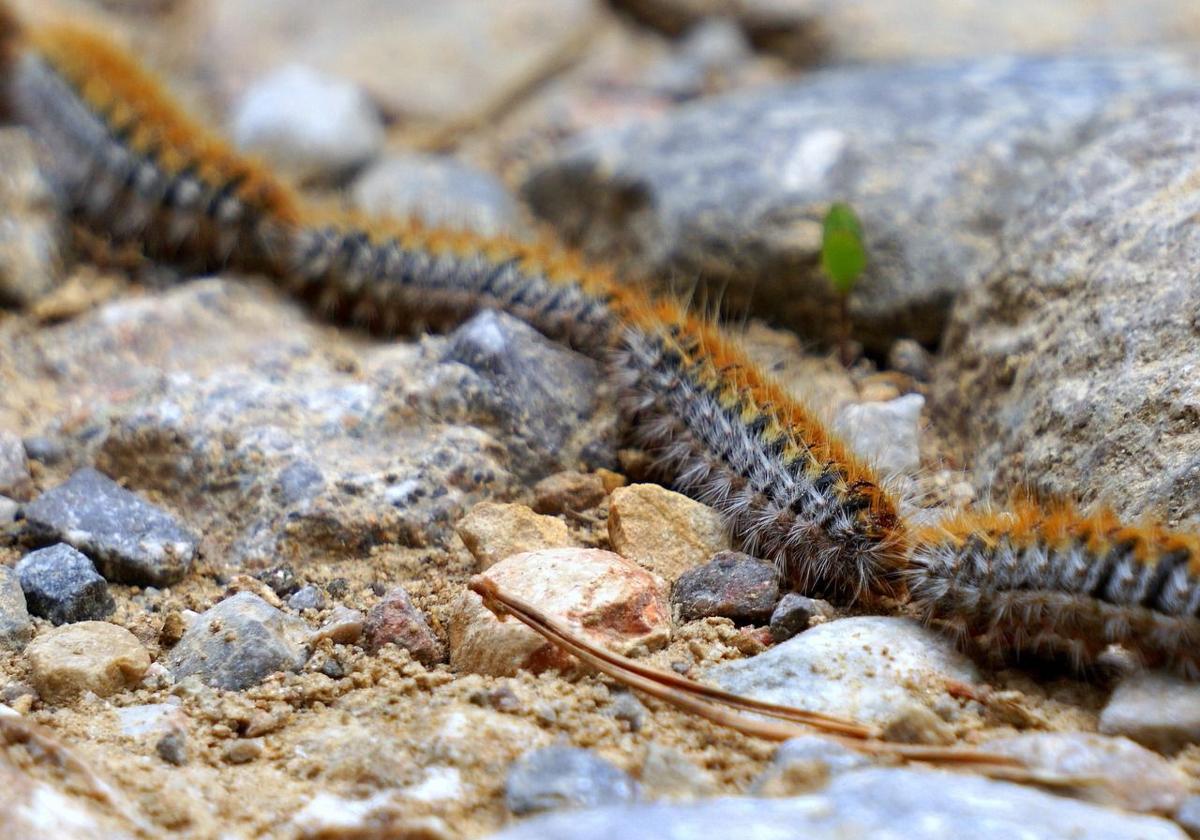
column 1049, row 580
column 1031, row 580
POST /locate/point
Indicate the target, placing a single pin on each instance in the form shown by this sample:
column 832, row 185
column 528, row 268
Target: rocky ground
column 234, row 540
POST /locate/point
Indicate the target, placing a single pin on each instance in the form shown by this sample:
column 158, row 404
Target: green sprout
column 843, row 259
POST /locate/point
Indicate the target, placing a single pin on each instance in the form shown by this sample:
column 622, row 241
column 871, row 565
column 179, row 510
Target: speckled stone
column 239, row 642
column 62, row 585
column 1063, row 372
column 731, row 191
column 731, row 585
column 871, row 668
column 131, row 540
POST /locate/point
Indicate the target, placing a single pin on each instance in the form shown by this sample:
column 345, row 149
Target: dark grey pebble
column 731, row 585
column 62, row 585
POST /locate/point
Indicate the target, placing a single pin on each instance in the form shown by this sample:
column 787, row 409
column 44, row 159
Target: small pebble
column 804, row 764
column 795, row 613
column 62, row 585
column 887, row 434
column 45, row 450
column 731, row 585
column 910, row 358
column 173, row 747
column 493, row 531
column 14, row 472
column 663, row 531
column 16, row 629
column 238, row 642
column 281, row 579
column 1188, row 815
column 670, row 775
column 243, row 750
column 312, row 125
column 558, row 777
column 343, row 627
column 130, row 540
column 439, row 191
column 568, row 491
column 627, row 708
column 1157, row 710
column 396, row 620
column 90, row 656
column 9, row 508
column 307, row 597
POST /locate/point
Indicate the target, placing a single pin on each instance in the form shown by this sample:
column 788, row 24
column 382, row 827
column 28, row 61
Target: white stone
column 887, row 434
column 307, row 123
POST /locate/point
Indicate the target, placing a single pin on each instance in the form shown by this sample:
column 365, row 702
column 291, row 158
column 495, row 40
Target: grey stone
column 886, row 434
column 1065, row 371
column 732, row 585
column 1188, row 815
column 15, row 627
column 173, row 747
column 910, row 358
column 1119, row 773
column 870, row 668
column 628, row 708
column 32, row 235
column 713, row 54
column 14, row 473
column 308, row 597
column 281, row 579
column 230, row 403
column 669, row 774
column 439, row 191
column 538, row 391
column 131, row 540
column 9, row 510
column 1154, row 709
column 307, row 123
column 238, row 642
column 732, row 191
column 557, row 777
column 62, row 585
column 44, row 449
column 794, row 613
column 804, row 764
column 870, row 803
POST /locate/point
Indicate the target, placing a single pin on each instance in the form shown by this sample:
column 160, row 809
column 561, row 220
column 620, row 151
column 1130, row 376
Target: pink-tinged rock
column 608, row 599
column 395, row 619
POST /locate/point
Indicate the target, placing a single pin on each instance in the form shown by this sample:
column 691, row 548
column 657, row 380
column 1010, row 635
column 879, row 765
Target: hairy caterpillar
column 1049, row 580
column 133, row 167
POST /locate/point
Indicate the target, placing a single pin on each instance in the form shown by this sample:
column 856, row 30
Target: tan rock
column 605, row 597
column 663, row 531
column 568, row 491
column 86, row 656
column 493, row 531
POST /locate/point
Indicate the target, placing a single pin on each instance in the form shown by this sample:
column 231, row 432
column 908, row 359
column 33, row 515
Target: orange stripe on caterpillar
column 1050, row 580
column 723, row 432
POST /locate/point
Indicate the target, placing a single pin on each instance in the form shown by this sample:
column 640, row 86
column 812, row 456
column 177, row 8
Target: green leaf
column 843, row 255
